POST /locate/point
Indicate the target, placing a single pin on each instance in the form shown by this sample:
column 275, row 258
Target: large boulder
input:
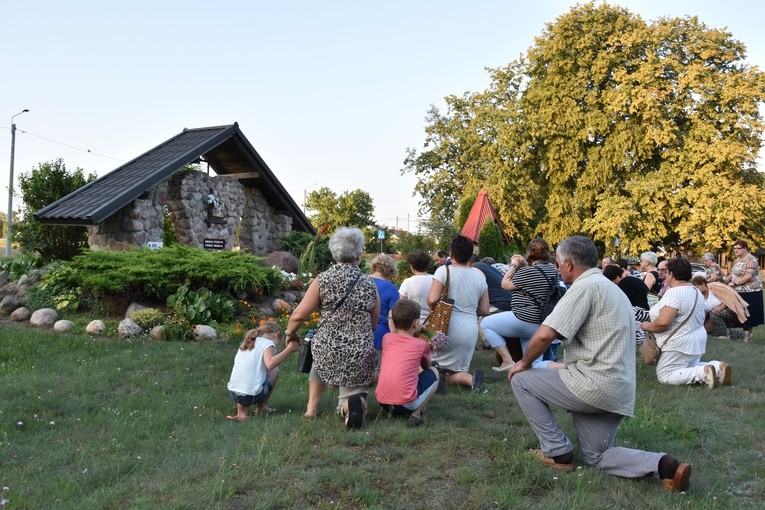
column 284, row 260
column 9, row 304
column 128, row 328
column 21, row 314
column 95, row 328
column 202, row 332
column 63, row 326
column 43, row 318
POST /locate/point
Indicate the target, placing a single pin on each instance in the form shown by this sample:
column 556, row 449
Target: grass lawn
column 105, row 423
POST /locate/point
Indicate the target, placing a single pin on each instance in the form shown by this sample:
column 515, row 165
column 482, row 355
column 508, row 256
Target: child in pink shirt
column 407, row 382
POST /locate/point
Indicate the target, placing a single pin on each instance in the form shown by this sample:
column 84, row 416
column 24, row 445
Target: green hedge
column 154, row 275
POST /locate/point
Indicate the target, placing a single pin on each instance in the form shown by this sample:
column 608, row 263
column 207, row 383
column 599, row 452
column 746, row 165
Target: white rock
column 128, row 328
column 43, row 318
column 63, row 326
column 202, row 332
column 95, row 328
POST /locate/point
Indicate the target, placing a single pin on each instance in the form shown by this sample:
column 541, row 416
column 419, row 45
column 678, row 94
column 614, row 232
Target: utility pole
column 9, row 230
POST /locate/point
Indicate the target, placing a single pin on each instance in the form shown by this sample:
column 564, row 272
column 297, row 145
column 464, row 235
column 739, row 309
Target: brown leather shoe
column 681, row 480
column 550, row 462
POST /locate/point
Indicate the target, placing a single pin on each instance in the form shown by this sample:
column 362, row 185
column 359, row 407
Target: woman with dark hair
column 469, row 291
column 529, row 280
column 636, row 290
column 417, row 286
column 745, row 279
column 677, row 321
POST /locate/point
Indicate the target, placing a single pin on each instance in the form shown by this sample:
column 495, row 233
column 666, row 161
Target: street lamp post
column 9, row 230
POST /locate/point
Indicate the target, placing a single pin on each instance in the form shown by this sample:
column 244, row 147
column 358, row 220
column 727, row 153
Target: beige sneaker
column 724, row 374
column 710, row 377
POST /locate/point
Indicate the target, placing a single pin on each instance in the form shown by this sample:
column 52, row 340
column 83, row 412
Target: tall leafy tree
column 349, row 209
column 45, row 184
column 611, row 127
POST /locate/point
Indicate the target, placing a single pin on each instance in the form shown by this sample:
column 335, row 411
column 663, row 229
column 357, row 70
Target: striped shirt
column 532, row 280
column 596, row 323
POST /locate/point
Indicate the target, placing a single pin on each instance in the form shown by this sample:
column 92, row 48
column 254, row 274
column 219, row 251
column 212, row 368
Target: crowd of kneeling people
column 370, row 335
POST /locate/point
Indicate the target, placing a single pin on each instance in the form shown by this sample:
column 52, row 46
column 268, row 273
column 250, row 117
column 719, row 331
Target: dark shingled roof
column 226, row 150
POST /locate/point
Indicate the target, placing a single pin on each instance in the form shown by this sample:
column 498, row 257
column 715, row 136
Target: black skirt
column 755, row 308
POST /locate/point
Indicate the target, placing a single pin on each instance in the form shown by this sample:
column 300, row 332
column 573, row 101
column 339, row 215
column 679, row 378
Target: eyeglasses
column 662, row 270
column 738, row 247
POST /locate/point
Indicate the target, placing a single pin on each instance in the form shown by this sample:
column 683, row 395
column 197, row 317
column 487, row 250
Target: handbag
column 554, row 294
column 439, row 317
column 305, row 356
column 650, row 350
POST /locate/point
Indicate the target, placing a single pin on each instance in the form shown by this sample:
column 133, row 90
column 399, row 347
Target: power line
column 67, row 145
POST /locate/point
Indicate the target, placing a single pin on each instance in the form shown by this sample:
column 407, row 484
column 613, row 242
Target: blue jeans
column 503, row 325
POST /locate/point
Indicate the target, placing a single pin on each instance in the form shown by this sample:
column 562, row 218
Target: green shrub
column 177, row 330
column 491, row 243
column 39, row 297
column 154, row 275
column 148, row 318
column 60, row 287
column 201, row 306
column 18, row 266
column 40, row 187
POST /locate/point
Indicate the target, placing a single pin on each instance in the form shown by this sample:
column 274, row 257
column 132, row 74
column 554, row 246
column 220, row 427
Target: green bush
column 60, row 287
column 177, row 330
column 148, row 318
column 154, row 275
column 491, row 243
column 201, row 306
column 17, row 266
column 39, row 188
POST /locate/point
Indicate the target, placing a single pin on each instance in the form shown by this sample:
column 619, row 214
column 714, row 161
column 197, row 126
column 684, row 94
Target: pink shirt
column 402, row 357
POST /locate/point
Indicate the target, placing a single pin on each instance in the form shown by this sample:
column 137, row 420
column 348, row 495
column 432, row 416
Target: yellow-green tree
column 611, row 127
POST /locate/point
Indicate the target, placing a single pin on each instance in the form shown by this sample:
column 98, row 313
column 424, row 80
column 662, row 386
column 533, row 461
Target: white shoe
column 503, row 368
column 724, row 374
column 710, row 377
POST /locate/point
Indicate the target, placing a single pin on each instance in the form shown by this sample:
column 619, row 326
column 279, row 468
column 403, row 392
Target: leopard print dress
column 343, row 348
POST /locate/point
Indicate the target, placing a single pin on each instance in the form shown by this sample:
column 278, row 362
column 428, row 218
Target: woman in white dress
column 468, row 289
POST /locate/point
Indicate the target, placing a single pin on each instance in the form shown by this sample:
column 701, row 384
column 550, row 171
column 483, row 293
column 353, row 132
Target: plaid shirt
column 596, row 323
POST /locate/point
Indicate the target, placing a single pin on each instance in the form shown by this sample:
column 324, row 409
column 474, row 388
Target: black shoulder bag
column 554, row 293
column 305, row 357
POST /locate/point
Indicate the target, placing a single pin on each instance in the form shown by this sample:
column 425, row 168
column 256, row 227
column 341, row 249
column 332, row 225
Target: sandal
column 355, row 416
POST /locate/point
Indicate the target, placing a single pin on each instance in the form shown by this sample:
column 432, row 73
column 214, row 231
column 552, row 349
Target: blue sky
column 329, row 93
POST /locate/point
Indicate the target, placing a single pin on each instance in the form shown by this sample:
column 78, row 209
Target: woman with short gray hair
column 648, row 272
column 342, row 348
column 346, row 244
column 713, row 269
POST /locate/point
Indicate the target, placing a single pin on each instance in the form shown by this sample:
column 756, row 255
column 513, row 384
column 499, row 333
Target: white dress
column 466, row 287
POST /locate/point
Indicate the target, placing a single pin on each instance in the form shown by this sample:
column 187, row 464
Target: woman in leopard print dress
column 343, row 347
